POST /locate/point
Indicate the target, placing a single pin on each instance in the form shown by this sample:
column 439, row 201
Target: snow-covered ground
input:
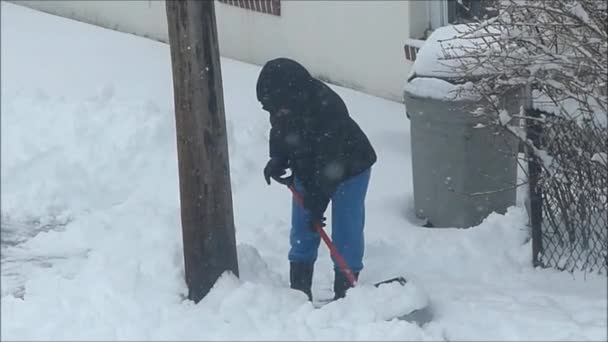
column 91, row 239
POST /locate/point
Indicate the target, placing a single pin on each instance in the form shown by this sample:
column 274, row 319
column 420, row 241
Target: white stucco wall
column 358, row 44
column 145, row 18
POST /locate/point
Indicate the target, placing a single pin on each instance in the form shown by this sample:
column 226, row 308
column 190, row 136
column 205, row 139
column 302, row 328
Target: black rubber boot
column 300, row 277
column 341, row 284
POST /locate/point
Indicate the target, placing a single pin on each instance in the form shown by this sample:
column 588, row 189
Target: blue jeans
column 348, row 220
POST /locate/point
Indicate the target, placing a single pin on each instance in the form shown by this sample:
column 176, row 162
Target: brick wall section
column 264, row 6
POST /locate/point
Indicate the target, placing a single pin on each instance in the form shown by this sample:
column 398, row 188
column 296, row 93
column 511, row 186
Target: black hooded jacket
column 312, row 132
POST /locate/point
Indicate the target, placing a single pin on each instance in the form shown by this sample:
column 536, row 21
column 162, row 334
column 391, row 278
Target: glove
column 314, row 220
column 312, row 204
column 274, row 169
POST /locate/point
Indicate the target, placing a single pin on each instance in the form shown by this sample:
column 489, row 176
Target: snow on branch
column 557, row 47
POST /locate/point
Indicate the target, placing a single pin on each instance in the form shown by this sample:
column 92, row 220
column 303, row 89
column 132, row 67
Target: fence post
column 533, row 132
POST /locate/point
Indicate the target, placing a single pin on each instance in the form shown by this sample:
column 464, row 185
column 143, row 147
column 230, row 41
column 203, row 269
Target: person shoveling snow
column 330, row 158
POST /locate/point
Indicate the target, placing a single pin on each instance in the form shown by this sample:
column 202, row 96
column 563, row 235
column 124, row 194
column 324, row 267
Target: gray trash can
column 463, row 169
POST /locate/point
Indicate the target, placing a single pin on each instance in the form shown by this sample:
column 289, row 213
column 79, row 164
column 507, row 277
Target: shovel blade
column 418, row 316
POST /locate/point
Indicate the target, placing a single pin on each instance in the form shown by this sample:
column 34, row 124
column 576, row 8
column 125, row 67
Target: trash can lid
column 436, row 56
column 439, row 89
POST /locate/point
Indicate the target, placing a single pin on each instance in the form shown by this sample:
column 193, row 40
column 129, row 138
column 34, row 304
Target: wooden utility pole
column 202, row 146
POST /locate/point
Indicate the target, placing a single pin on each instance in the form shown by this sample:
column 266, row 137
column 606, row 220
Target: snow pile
column 435, row 88
column 78, row 176
column 433, row 69
column 452, row 41
column 88, row 141
column 233, row 310
column 383, row 303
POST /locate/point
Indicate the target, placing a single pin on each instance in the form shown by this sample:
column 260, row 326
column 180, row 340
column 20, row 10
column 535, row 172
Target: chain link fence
column 568, row 175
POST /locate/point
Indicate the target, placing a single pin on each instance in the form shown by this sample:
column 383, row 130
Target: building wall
column 143, row 18
column 358, row 44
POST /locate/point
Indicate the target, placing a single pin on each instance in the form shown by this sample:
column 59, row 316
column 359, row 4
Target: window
column 466, row 11
column 264, row 6
column 445, row 12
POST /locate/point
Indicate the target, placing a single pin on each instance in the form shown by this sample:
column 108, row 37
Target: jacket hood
column 283, row 82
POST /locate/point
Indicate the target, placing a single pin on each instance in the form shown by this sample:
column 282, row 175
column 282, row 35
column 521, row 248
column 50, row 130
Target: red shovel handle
column 332, row 248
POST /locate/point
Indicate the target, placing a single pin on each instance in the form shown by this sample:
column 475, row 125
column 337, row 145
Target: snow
column 450, row 40
column 435, row 88
column 432, row 72
column 504, row 117
column 578, row 10
column 90, row 207
column 570, row 108
column 601, row 158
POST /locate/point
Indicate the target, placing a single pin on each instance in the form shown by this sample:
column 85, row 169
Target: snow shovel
column 350, row 276
column 419, row 316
